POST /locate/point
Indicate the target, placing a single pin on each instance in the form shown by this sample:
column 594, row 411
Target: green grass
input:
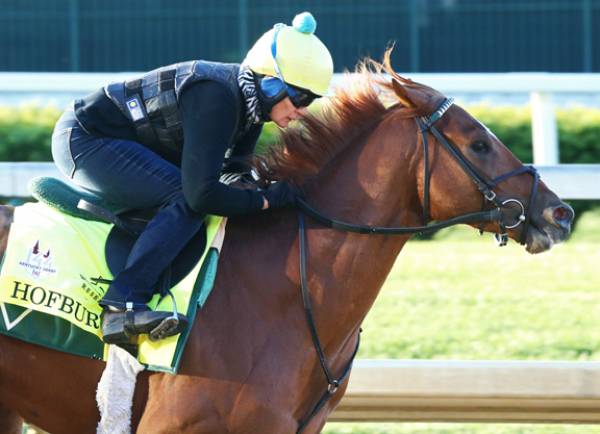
column 460, row 297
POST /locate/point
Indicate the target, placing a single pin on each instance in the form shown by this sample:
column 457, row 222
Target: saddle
column 127, row 225
column 49, row 291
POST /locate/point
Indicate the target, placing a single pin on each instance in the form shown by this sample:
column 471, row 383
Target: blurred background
column 525, row 68
column 430, row 35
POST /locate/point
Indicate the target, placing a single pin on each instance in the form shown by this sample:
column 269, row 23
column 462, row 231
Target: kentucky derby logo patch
column 38, row 263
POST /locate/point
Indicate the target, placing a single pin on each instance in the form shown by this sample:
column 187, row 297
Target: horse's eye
column 480, row 147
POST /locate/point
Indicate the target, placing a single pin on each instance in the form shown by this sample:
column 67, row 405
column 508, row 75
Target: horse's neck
column 363, row 186
column 345, row 271
column 6, row 218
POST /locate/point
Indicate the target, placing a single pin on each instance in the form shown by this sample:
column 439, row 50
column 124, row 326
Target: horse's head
column 469, row 168
column 363, row 156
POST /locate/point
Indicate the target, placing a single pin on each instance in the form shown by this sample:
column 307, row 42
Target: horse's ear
column 402, row 94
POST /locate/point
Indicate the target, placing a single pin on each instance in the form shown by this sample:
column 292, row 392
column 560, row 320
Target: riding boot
column 122, row 326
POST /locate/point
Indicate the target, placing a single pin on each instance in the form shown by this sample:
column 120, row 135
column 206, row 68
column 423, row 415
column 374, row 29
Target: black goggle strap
column 300, row 97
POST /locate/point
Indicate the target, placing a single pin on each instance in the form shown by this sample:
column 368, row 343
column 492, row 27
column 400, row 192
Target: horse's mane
column 303, row 150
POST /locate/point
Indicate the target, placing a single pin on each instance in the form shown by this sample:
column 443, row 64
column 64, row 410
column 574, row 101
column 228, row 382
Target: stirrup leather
column 106, row 215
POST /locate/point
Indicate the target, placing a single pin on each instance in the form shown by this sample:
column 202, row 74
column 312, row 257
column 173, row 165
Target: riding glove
column 282, row 195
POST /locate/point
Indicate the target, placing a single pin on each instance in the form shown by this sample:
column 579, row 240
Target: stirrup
column 167, row 326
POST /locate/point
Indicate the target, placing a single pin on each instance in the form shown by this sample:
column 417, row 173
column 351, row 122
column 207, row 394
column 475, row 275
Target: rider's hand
column 282, row 195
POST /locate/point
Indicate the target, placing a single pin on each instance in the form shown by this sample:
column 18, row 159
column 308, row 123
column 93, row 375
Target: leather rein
column 494, row 215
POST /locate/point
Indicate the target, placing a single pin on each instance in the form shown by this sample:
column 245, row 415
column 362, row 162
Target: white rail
column 472, row 391
column 539, row 86
column 509, row 82
column 14, row 177
column 569, row 181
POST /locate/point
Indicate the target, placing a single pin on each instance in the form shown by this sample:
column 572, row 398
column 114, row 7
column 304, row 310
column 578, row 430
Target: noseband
column 494, row 215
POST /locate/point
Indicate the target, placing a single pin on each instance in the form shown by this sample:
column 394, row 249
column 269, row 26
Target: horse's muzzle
column 551, row 226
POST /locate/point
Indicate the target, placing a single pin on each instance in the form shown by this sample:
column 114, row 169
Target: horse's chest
column 213, row 405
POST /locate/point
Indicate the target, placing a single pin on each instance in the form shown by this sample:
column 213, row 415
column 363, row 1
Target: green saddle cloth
column 48, row 295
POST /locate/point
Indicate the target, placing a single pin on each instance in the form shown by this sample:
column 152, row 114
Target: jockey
column 161, row 140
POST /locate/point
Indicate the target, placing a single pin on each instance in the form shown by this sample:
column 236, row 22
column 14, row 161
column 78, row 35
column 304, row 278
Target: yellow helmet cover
column 303, row 60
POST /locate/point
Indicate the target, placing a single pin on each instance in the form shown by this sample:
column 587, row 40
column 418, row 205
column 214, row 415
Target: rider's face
column 284, row 111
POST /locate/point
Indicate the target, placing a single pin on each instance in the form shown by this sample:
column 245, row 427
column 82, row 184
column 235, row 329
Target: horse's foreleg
column 10, row 422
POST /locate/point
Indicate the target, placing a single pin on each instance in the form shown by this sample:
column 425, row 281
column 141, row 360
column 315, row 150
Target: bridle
column 493, row 215
column 485, row 186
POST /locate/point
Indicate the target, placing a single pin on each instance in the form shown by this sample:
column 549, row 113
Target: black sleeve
column 245, row 146
column 209, row 116
column 238, row 160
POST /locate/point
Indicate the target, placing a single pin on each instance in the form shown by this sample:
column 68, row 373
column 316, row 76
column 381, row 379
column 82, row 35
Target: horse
column 250, row 365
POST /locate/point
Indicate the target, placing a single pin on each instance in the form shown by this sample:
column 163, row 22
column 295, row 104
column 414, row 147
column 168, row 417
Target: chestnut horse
column 250, row 365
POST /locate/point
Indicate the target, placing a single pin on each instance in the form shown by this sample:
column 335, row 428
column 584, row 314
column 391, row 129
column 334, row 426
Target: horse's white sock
column 115, row 391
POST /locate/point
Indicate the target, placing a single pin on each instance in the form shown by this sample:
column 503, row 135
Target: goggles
column 272, row 90
column 300, row 97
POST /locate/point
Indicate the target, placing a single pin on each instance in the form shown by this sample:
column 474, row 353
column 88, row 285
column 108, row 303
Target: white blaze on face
column 487, row 129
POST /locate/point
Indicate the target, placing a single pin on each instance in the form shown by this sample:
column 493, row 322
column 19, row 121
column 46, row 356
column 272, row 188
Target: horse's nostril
column 563, row 215
column 560, row 214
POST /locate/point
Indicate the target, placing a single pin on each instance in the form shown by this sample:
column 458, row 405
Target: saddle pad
column 48, row 295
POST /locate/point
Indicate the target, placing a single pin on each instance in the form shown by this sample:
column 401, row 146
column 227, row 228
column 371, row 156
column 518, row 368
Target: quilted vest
column 151, row 101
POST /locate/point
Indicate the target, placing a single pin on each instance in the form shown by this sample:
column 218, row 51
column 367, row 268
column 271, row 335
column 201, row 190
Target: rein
column 494, row 215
